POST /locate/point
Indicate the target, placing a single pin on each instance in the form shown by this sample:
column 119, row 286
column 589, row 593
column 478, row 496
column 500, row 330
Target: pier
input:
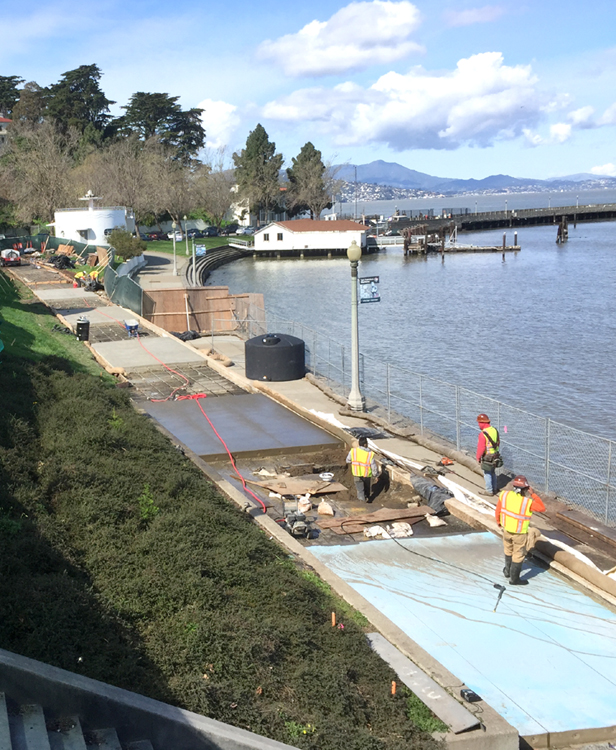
column 524, row 217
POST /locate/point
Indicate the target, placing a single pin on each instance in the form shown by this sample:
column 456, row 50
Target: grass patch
column 26, row 329
column 421, row 715
column 166, row 246
column 338, row 605
column 120, row 561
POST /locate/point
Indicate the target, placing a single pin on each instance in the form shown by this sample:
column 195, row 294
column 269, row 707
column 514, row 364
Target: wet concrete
column 250, row 424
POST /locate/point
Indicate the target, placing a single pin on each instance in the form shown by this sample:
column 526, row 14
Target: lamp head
column 173, row 225
column 185, row 217
column 354, row 251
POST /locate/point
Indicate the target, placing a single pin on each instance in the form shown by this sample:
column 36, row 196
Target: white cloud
column 482, row 100
column 560, row 132
column 582, row 117
column 473, row 15
column 606, row 170
column 357, row 36
column 220, row 121
column 608, row 117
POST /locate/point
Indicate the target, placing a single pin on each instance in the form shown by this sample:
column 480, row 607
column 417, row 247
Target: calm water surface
column 537, row 331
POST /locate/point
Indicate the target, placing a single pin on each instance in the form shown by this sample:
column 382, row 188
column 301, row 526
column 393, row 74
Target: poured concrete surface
column 249, row 424
column 133, row 354
column 98, row 316
column 545, row 660
column 66, row 292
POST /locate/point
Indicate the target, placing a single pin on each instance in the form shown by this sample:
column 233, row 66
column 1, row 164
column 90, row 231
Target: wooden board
column 589, row 525
column 299, row 486
column 379, row 516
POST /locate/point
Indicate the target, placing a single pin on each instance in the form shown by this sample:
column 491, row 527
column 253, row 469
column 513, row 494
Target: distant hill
column 395, row 175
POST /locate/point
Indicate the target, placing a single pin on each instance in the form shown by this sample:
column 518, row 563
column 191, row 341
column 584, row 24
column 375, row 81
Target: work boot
column 516, row 569
column 507, row 568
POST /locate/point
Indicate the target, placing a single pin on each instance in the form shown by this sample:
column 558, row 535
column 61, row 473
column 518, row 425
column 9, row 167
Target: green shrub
column 126, row 244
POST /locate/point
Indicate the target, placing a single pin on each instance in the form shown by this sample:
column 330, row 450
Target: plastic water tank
column 275, row 357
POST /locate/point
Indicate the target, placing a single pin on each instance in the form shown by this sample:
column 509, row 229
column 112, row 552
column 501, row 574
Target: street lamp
column 186, row 231
column 175, row 262
column 356, row 401
column 505, row 208
column 475, row 208
column 577, row 201
column 549, row 201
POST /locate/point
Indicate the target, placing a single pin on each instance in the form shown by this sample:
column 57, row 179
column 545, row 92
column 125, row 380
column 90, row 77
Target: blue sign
column 200, row 249
column 369, row 289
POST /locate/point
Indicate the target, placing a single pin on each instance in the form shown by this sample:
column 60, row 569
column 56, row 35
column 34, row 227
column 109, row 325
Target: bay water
column 536, row 331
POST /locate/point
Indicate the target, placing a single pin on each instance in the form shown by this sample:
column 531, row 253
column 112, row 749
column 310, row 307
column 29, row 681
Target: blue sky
column 453, row 88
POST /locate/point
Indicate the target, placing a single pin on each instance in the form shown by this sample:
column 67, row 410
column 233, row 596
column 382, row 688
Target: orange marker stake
column 333, row 619
column 393, row 687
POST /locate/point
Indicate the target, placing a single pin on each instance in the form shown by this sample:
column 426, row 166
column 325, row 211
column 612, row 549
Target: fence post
column 498, row 418
column 547, row 454
column 314, row 353
column 458, row 417
column 342, row 355
column 609, row 479
column 361, row 369
column 329, row 360
column 388, row 397
column 421, row 406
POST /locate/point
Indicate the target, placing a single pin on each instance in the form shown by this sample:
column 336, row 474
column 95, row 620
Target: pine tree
column 310, row 184
column 257, row 168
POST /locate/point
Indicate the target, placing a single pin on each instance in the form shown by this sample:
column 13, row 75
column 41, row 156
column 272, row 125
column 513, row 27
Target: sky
column 454, row 88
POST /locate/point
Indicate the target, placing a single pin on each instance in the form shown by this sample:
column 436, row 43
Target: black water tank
column 276, row 357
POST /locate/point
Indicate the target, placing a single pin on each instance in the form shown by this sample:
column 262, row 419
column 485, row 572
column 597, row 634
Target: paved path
column 158, row 274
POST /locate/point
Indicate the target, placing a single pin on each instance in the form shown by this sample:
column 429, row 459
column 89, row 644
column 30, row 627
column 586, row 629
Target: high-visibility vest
column 516, row 511
column 361, row 462
column 493, row 433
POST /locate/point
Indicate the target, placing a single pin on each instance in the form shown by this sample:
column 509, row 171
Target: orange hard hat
column 483, row 418
column 520, row 481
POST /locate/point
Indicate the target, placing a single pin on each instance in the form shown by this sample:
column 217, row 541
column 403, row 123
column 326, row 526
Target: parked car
column 178, row 236
column 210, row 232
column 157, row 236
column 195, row 234
column 245, row 230
column 229, row 229
column 10, row 258
column 144, row 237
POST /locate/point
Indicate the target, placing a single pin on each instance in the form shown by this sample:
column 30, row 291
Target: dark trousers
column 362, row 486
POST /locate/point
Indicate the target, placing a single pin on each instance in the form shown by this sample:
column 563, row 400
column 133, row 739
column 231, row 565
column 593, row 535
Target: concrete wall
column 320, row 240
column 132, row 265
column 85, row 225
column 134, row 717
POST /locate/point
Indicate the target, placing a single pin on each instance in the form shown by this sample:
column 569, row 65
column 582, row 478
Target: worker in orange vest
column 513, row 513
column 363, row 468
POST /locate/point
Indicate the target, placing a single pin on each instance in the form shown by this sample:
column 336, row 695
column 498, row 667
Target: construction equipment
column 292, row 520
column 10, row 257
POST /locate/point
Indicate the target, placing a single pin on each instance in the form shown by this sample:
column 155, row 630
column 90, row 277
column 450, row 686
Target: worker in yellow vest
column 363, row 468
column 488, row 456
column 513, row 513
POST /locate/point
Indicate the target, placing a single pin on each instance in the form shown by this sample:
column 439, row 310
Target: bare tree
column 213, row 185
column 37, row 170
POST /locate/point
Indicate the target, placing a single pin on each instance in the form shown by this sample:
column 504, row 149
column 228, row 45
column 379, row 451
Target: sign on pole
column 369, row 289
column 200, row 250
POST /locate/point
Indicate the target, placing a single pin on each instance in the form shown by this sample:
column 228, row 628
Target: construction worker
column 487, row 453
column 513, row 513
column 363, row 467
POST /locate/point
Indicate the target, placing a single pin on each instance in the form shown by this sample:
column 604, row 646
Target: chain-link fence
column 573, row 464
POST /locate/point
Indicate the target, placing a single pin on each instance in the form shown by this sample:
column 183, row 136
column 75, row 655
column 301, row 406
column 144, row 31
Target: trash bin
column 275, row 357
column 83, row 329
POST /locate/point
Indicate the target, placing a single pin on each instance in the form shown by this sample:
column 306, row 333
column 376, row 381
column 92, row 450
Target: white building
column 309, row 234
column 89, row 224
column 4, row 123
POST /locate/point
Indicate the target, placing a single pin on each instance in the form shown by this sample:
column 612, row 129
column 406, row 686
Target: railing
column 573, row 464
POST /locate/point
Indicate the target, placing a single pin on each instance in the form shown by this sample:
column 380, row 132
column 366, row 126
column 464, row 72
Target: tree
column 257, row 168
column 77, row 100
column 37, row 168
column 31, row 105
column 9, row 93
column 213, row 186
column 160, row 116
column 311, row 183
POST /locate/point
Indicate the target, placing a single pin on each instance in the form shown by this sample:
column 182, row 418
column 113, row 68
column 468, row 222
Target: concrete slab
column 131, row 354
column 66, row 292
column 100, row 316
column 544, row 660
column 250, row 424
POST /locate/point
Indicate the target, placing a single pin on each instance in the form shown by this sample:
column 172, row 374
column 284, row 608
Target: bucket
column 83, row 329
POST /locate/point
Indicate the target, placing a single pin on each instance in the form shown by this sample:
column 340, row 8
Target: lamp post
column 549, row 201
column 186, row 231
column 475, row 208
column 356, row 401
column 577, row 201
column 505, row 208
column 175, row 261
column 194, row 263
